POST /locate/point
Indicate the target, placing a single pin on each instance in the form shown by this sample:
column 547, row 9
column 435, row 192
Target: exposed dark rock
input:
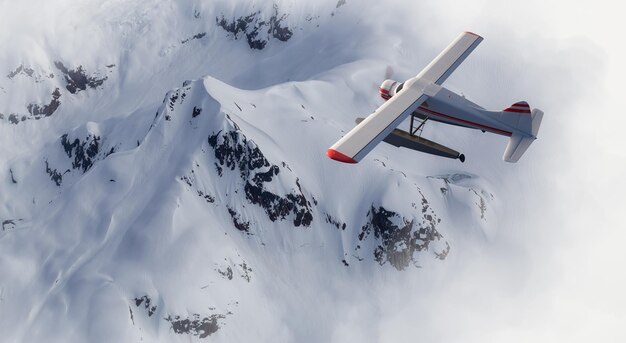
column 84, row 153
column 399, row 238
column 208, row 198
column 239, row 224
column 228, row 273
column 12, row 176
column 21, row 70
column 198, row 325
column 267, row 176
column 8, row 224
column 41, row 111
column 196, row 111
column 482, row 205
column 174, row 96
column 335, row 223
column 132, row 318
column 31, row 73
column 247, row 271
column 285, row 165
column 190, row 181
column 77, row 79
column 195, row 325
column 187, row 180
column 256, row 29
column 278, row 207
column 197, row 36
column 234, row 151
column 13, row 119
column 147, row 304
column 483, row 197
column 54, row 174
column 219, row 169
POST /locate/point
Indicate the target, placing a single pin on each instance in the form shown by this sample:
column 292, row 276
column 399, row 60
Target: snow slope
column 164, row 175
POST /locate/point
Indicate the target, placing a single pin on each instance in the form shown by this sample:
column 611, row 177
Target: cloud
column 552, row 272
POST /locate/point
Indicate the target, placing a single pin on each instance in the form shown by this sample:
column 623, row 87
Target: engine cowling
column 389, row 88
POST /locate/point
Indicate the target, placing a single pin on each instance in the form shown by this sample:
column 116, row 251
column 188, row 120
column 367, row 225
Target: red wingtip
column 472, row 33
column 337, row 156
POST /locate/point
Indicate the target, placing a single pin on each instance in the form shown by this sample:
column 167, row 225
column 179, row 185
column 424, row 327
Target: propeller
column 389, row 72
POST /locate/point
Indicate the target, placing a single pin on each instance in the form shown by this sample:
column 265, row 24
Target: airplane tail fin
column 528, row 122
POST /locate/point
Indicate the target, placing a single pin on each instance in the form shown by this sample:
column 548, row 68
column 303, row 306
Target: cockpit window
column 400, row 87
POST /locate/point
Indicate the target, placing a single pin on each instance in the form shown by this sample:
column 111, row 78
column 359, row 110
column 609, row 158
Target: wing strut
column 420, row 127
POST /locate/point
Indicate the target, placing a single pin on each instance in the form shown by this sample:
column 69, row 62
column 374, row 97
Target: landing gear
column 420, row 127
column 439, row 149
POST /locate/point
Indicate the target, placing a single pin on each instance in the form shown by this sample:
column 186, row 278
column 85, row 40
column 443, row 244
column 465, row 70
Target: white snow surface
column 121, row 196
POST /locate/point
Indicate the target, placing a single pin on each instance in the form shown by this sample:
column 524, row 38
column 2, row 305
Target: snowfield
column 163, row 178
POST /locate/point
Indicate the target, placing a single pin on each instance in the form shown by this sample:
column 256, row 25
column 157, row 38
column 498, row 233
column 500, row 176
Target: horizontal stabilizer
column 518, row 144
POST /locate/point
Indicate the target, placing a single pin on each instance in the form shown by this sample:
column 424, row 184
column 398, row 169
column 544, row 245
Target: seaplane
column 422, row 98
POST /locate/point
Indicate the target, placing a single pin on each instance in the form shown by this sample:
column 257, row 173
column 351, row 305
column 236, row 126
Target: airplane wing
column 352, row 147
column 450, row 58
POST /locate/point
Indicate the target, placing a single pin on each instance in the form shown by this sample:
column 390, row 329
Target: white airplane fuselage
column 448, row 107
column 451, row 108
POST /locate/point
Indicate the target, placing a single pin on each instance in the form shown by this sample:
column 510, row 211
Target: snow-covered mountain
column 163, row 174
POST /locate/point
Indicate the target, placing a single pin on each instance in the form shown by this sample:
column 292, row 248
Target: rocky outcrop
column 196, row 36
column 256, row 29
column 234, row 152
column 195, row 325
column 77, row 79
column 199, row 325
column 399, row 238
column 82, row 154
column 36, row 111
column 40, row 111
column 26, row 71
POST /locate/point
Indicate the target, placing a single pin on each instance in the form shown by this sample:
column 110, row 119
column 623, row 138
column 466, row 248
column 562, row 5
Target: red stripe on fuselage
column 467, row 122
column 516, row 110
